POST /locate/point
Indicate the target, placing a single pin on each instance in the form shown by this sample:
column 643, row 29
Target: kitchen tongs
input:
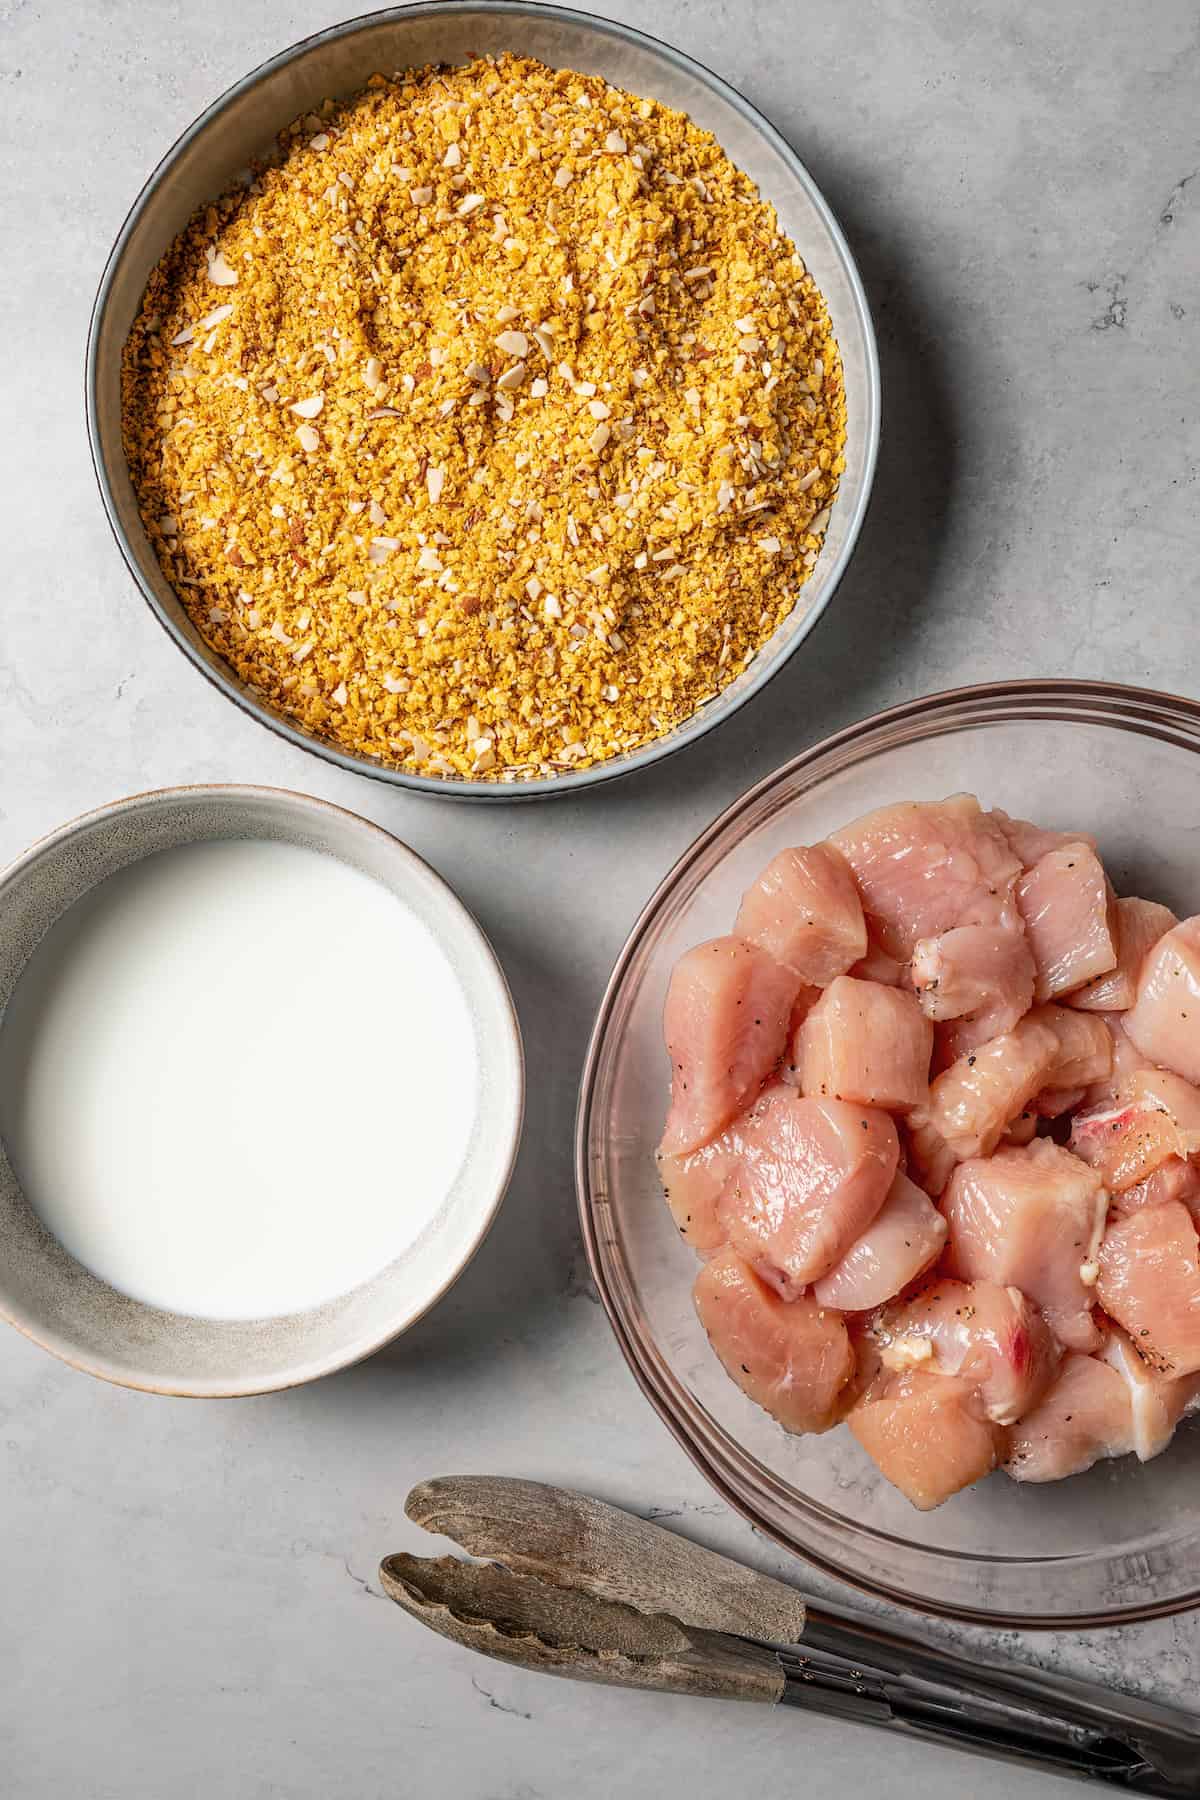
column 571, row 1586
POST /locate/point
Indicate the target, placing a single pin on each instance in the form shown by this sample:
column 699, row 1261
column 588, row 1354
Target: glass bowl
column 242, row 125
column 1119, row 1543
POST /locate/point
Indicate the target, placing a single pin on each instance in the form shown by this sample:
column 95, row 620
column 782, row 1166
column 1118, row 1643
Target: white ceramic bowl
column 49, row 1296
column 243, row 123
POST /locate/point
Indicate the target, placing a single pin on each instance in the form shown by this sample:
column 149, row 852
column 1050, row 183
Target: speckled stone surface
column 189, row 1597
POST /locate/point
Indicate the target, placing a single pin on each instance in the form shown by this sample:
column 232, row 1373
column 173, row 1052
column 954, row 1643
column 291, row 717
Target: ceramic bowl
column 49, row 1296
column 243, row 123
column 1123, row 1540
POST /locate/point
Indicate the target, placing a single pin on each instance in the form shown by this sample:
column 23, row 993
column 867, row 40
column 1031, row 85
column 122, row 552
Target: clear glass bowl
column 1119, row 1543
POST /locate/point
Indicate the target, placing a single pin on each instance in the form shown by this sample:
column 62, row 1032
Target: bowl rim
column 1154, row 711
column 702, row 721
column 511, row 1141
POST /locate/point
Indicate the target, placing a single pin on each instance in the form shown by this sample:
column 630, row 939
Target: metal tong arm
column 589, row 1590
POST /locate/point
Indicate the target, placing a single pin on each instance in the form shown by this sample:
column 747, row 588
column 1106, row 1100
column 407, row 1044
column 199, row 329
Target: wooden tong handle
column 564, row 1631
column 573, row 1541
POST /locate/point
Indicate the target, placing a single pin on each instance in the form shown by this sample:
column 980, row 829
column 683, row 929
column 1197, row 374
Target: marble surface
column 189, row 1600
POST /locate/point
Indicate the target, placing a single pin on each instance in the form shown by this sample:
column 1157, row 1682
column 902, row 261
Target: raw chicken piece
column 926, row 1435
column 793, row 1359
column 813, row 1175
column 725, row 1023
column 973, row 1100
column 877, row 965
column 804, row 911
column 803, row 1004
column 993, row 1337
column 929, row 1155
column 1140, row 924
column 1022, row 1129
column 1155, row 1116
column 1086, row 1415
column 1031, row 1219
column 900, row 1244
column 865, row 1043
column 1164, row 1020
column 1030, row 842
column 1174, row 1179
column 693, row 1185
column 925, row 866
column 1053, row 1102
column 1126, row 1061
column 1158, row 1403
column 1150, row 1284
column 1085, row 1047
column 1070, row 918
column 980, row 976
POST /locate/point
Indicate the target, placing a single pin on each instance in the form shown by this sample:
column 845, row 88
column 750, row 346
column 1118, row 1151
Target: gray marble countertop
column 189, row 1600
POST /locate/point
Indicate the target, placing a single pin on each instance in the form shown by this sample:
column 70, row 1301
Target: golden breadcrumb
column 492, row 427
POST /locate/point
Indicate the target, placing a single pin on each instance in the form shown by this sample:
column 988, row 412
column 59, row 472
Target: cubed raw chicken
column 926, row 1433
column 1174, row 1179
column 865, row 1043
column 1150, row 1284
column 923, row 867
column 1031, row 1219
column 972, row 1101
column 1029, row 842
column 975, row 975
column 1155, row 1116
column 1085, row 1047
column 877, row 965
column 1086, row 1415
column 813, row 1175
column 1022, row 1129
column 993, row 1337
column 1140, row 924
column 792, row 1358
column 725, row 1024
column 1053, row 1102
column 1127, row 1060
column 900, row 1243
column 1158, row 1402
column 693, row 1184
column 928, row 1154
column 804, row 910
column 1164, row 1020
column 978, row 976
column 1070, row 917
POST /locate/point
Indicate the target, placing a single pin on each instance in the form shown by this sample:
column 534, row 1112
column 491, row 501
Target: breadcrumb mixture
column 490, row 429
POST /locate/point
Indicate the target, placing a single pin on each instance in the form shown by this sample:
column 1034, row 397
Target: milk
column 237, row 1079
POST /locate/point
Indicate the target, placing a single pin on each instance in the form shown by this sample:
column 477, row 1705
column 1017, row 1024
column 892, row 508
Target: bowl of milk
column 261, row 1090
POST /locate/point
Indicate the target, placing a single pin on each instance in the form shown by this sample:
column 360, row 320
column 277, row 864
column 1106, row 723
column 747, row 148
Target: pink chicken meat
column 900, row 1243
column 1140, row 925
column 1150, row 1284
column 928, row 1437
column 812, row 1176
column 804, row 910
column 865, row 1043
column 974, row 980
column 1086, row 1415
column 793, row 1359
column 925, row 866
column 935, row 1130
column 1164, row 1020
column 1032, row 1219
column 1070, row 918
column 725, row 1023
